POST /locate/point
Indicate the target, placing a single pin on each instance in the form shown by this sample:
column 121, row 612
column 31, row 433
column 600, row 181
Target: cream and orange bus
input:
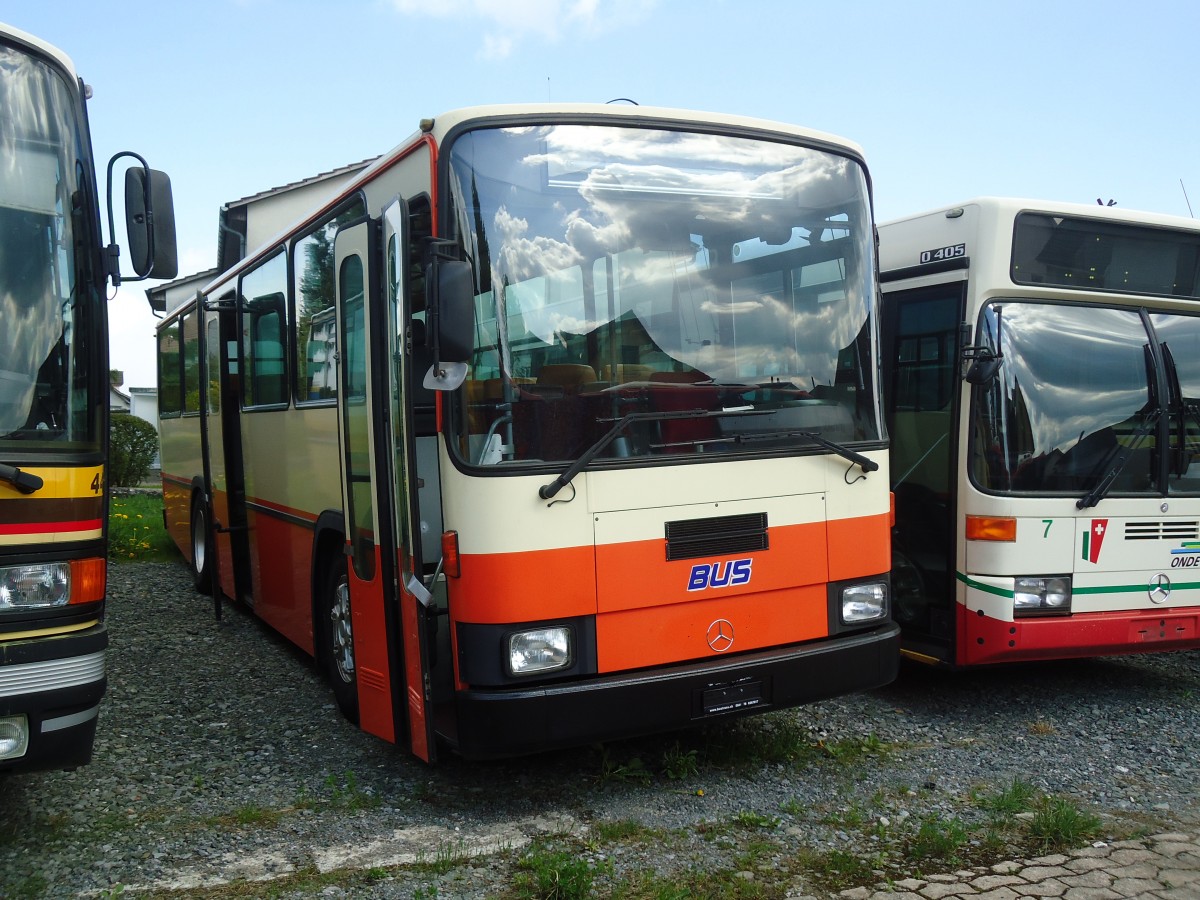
column 1042, row 376
column 556, row 424
column 54, row 273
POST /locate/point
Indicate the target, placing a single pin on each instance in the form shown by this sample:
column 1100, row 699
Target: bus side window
column 264, row 330
column 312, row 289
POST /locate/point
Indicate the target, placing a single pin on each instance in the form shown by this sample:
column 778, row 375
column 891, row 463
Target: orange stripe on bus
column 638, row 574
column 523, row 587
column 859, row 547
column 633, row 639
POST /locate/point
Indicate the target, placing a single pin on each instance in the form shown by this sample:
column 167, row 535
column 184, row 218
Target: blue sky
column 1057, row 99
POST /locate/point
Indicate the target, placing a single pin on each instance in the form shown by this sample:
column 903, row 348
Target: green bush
column 132, row 445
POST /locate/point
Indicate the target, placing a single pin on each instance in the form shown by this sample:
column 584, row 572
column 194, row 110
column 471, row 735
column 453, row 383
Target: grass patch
column 938, row 843
column 548, row 874
column 344, row 793
column 136, row 531
column 1058, row 824
column 1017, row 797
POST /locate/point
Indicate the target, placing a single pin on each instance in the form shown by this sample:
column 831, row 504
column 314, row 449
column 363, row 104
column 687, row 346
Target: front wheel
column 201, row 547
column 337, row 639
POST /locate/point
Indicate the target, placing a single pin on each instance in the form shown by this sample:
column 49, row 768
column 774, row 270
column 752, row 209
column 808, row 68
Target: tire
column 337, row 638
column 202, row 547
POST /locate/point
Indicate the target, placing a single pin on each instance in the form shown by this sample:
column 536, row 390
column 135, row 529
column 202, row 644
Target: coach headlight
column 35, row 586
column 14, row 736
column 864, row 602
column 540, row 651
column 1039, row 595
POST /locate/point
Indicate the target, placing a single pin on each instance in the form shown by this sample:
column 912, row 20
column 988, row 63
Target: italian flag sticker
column 1093, row 538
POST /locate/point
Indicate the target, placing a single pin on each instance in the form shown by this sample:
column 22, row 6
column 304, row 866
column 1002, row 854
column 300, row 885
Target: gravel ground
column 222, row 767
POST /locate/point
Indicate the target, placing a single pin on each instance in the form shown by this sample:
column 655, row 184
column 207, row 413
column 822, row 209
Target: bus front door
column 388, row 603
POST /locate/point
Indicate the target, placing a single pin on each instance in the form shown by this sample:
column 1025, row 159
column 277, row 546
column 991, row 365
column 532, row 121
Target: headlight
column 14, row 736
column 543, row 650
column 1033, row 595
column 864, row 602
column 35, row 586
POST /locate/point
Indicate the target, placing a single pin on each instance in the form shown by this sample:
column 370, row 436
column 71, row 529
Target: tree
column 133, row 444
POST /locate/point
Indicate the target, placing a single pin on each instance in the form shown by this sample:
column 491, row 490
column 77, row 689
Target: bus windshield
column 1078, row 398
column 49, row 336
column 721, row 286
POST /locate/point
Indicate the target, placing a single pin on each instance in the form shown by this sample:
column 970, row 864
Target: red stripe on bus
column 50, row 527
column 988, row 640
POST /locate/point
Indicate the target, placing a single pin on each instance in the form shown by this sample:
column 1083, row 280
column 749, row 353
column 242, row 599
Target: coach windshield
column 721, row 285
column 1084, row 401
column 49, row 334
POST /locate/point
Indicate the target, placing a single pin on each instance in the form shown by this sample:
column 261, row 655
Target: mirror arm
column 113, row 251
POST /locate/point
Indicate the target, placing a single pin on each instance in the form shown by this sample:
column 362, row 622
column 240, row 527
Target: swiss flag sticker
column 1093, row 540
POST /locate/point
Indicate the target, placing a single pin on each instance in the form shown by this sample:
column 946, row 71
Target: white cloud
column 506, row 22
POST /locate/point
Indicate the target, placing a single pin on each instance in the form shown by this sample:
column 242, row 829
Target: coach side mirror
column 984, row 369
column 150, row 223
column 452, row 321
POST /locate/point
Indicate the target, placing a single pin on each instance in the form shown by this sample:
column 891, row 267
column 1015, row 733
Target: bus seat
column 626, row 372
column 568, row 376
column 677, row 392
column 689, row 377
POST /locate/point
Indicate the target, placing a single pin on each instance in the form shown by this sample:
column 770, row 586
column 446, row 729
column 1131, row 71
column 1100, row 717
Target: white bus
column 1042, row 384
column 602, row 452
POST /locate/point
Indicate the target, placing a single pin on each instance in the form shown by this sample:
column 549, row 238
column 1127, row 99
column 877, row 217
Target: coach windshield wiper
column 865, row 462
column 546, row 491
column 24, row 482
column 1114, row 461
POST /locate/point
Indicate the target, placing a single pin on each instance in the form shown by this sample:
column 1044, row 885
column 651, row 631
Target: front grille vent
column 717, row 536
column 1162, row 531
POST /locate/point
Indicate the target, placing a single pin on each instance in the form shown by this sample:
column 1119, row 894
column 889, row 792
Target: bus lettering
column 729, row 573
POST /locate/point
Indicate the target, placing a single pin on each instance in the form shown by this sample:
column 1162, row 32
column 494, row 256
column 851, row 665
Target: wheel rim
column 199, row 540
column 341, row 643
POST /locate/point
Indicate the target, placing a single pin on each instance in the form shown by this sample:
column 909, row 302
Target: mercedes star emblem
column 720, row 635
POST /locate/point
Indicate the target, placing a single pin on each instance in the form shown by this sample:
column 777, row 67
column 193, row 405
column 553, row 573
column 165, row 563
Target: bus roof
column 439, row 127
column 1006, row 207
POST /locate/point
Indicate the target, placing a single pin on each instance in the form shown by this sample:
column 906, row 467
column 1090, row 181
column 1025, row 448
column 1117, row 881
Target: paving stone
column 1086, row 864
column 1096, row 878
column 1051, row 887
column 1037, row 873
column 1054, row 859
column 1189, row 878
column 939, row 891
column 1127, row 855
column 1135, row 887
column 991, row 882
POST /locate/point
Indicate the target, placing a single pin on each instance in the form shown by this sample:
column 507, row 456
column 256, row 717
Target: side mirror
column 451, row 320
column 150, row 223
column 984, row 369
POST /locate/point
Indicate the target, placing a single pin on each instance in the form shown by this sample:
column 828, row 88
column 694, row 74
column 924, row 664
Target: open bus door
column 389, row 604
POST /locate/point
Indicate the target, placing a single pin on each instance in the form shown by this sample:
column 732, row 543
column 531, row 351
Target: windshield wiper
column 1115, row 459
column 546, row 491
column 865, row 462
column 24, row 482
